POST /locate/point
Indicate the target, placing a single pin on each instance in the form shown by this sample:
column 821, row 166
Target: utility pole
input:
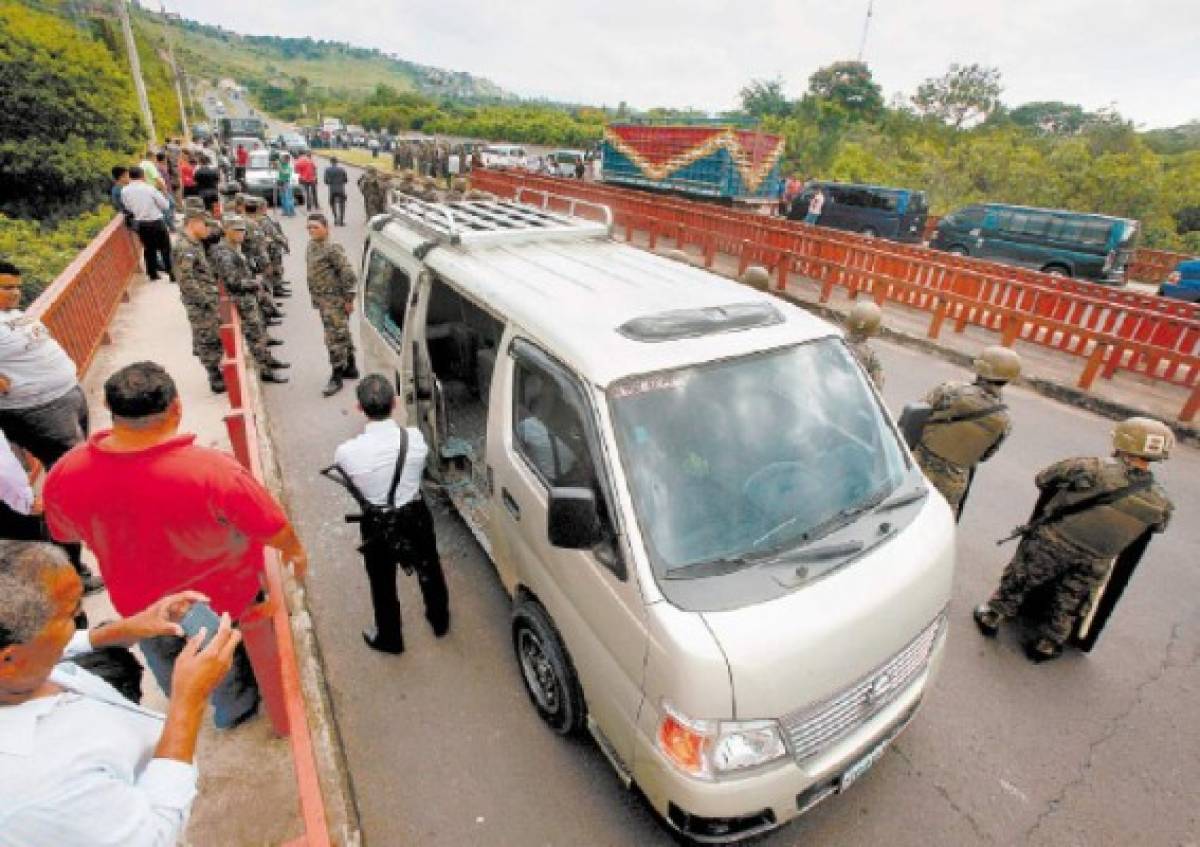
column 862, row 44
column 183, row 118
column 135, row 69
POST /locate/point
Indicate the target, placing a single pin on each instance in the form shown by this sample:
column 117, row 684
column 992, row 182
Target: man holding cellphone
column 163, row 514
column 80, row 764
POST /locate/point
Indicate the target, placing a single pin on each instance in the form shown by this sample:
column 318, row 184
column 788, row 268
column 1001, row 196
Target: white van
column 504, row 156
column 723, row 561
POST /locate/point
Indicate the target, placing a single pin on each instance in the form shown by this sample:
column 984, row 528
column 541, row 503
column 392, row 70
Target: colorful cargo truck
column 712, row 162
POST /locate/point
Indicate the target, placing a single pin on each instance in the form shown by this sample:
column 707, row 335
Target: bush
column 42, row 251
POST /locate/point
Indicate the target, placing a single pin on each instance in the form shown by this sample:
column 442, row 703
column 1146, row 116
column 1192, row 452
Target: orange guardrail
column 266, row 628
column 1149, row 336
column 1154, row 265
column 79, row 305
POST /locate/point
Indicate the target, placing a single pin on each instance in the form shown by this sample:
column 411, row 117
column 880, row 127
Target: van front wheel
column 546, row 669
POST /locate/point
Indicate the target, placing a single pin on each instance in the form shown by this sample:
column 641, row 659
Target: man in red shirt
column 164, row 515
column 306, row 172
column 187, row 174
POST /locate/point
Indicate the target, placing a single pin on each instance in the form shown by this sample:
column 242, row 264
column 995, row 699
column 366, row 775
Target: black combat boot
column 274, row 342
column 351, row 369
column 333, row 386
column 216, row 381
column 282, row 292
column 271, row 322
column 272, row 362
column 1042, row 650
column 268, row 375
column 988, row 620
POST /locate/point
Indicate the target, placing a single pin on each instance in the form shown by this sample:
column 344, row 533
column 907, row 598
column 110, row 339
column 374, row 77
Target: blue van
column 1062, row 243
column 1183, row 283
column 875, row 210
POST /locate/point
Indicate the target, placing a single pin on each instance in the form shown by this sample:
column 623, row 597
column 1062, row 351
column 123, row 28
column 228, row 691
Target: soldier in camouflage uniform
column 374, row 192
column 1084, row 556
column 254, row 248
column 861, row 324
column 967, row 425
column 198, row 289
column 332, row 284
column 232, row 269
column 277, row 245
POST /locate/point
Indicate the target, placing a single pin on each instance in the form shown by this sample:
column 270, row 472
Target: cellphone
column 200, row 616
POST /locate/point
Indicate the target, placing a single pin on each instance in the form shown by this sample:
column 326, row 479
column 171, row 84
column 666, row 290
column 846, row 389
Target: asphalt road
column 444, row 748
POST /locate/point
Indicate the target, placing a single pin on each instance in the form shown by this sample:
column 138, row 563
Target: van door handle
column 509, row 503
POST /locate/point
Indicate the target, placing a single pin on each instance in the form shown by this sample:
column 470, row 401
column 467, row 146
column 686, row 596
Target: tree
column 764, row 98
column 965, row 93
column 1050, row 117
column 850, row 85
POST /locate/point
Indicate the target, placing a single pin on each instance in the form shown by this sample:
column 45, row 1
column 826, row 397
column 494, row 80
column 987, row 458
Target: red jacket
column 306, row 169
column 243, row 156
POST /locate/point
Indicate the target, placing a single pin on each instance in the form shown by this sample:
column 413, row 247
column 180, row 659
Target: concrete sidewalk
column 247, row 790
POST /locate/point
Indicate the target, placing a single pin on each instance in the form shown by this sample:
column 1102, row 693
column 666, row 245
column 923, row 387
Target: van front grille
column 814, row 728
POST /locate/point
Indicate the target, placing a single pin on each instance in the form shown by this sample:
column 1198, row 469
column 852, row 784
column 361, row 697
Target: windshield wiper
column 903, row 499
column 711, row 567
column 821, row 554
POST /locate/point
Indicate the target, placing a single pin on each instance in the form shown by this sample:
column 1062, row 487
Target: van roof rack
column 490, row 221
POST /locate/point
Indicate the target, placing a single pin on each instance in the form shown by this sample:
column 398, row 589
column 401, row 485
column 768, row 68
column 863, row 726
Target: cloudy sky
column 1141, row 55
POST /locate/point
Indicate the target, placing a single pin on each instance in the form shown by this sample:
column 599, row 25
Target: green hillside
column 333, row 68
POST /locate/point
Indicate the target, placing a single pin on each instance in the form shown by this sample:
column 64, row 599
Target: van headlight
column 709, row 749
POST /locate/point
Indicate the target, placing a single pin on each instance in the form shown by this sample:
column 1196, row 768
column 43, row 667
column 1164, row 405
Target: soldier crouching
column 1089, row 529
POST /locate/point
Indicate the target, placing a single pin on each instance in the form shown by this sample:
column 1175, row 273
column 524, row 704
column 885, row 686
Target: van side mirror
column 573, row 519
column 912, row 422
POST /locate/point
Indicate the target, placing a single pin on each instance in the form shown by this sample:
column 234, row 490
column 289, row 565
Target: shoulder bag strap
column 1103, row 499
column 967, row 416
column 400, row 459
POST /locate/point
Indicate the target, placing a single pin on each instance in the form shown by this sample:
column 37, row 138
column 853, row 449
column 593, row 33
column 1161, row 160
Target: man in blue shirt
column 80, row 764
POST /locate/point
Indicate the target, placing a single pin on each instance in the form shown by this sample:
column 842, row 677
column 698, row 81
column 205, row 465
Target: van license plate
column 863, row 765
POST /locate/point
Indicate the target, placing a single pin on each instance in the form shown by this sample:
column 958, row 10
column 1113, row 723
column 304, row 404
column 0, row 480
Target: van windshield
column 754, row 456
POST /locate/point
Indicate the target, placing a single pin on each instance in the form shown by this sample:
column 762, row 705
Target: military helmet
column 998, row 364
column 254, row 204
column 191, row 213
column 756, row 276
column 193, row 203
column 234, row 222
column 864, row 318
column 239, row 199
column 1145, row 438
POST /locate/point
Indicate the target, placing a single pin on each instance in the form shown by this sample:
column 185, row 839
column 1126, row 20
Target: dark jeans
column 234, row 699
column 381, row 574
column 310, row 195
column 156, row 246
column 337, row 202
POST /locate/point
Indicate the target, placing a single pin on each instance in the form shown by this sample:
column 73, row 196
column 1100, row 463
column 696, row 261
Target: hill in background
column 260, row 61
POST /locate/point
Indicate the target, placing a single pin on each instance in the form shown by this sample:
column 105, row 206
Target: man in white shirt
column 369, row 462
column 147, row 205
column 80, row 764
column 42, row 408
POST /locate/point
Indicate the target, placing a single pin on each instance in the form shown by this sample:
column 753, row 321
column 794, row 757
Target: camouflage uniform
column 234, row 271
column 277, row 245
column 254, row 249
column 1074, row 555
column 860, row 346
column 198, row 289
column 374, row 193
column 331, row 283
column 948, row 476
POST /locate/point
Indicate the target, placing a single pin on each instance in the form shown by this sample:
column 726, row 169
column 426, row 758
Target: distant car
column 1183, row 283
column 201, row 132
column 565, row 162
column 504, row 156
column 260, row 178
column 249, row 142
column 293, row 142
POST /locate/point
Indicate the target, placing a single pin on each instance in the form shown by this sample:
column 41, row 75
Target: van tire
column 546, row 669
column 958, row 250
column 1057, row 270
